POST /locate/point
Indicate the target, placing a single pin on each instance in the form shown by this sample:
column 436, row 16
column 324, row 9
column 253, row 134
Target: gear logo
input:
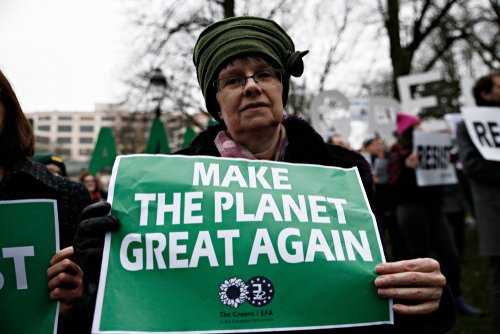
column 233, row 292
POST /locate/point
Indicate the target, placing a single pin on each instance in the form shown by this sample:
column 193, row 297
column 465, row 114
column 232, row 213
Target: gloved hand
column 89, row 239
column 88, row 247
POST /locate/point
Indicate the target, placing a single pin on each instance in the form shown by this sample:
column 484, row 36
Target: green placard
column 212, row 244
column 104, row 152
column 28, row 240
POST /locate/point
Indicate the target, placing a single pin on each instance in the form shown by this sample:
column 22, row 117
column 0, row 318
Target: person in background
column 455, row 205
column 375, row 152
column 372, row 149
column 53, row 162
column 103, row 178
column 419, row 211
column 336, row 139
column 93, row 187
column 20, row 178
column 484, row 180
column 244, row 65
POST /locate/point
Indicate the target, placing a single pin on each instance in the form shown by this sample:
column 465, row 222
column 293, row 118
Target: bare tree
column 441, row 35
column 405, row 39
column 167, row 32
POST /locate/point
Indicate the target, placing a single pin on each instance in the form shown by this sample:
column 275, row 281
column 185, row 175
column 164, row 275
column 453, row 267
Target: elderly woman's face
column 252, row 106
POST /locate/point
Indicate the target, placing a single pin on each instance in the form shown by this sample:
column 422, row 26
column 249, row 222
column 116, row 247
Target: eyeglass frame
column 281, row 72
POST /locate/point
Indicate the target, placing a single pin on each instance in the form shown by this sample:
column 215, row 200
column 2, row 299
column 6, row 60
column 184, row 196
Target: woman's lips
column 251, row 106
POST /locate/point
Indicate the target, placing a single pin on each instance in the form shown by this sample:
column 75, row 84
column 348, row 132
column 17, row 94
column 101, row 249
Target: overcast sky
column 63, row 54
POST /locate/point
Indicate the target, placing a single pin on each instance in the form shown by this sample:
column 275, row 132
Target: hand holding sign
column 412, row 161
column 89, row 238
column 411, row 280
column 65, row 279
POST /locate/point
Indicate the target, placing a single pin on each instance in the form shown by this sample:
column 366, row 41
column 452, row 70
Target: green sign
column 28, row 240
column 211, row 244
column 104, row 152
column 157, row 142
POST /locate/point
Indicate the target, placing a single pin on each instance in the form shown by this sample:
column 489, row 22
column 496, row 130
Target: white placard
column 483, row 126
column 434, row 166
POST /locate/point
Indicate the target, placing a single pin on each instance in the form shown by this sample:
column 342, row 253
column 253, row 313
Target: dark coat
column 403, row 181
column 306, row 146
column 31, row 180
column 484, row 179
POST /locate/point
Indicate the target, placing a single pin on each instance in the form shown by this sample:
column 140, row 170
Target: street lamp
column 157, row 86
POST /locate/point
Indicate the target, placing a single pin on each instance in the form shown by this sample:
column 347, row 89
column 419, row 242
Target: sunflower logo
column 233, row 292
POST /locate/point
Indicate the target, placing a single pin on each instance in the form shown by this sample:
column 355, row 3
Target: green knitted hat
column 243, row 36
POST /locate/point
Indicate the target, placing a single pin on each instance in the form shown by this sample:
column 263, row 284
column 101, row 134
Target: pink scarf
column 228, row 148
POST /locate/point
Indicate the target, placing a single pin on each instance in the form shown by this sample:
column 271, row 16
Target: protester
column 455, row 206
column 20, row 178
column 93, row 187
column 484, row 178
column 336, row 139
column 419, row 211
column 243, row 66
column 53, row 162
column 375, row 152
column 103, row 177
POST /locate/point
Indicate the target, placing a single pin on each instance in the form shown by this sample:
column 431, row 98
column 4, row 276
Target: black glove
column 88, row 246
column 89, row 238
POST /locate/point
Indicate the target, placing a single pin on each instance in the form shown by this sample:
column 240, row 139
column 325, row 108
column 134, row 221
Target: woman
column 243, row 66
column 93, row 187
column 20, row 178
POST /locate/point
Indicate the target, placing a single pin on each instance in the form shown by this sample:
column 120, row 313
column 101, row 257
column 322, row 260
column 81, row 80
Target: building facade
column 73, row 134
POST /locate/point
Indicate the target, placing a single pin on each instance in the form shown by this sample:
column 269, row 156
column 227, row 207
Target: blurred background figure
column 93, row 186
column 53, row 162
column 336, row 139
column 103, row 177
column 419, row 211
column 455, row 206
column 375, row 151
column 484, row 177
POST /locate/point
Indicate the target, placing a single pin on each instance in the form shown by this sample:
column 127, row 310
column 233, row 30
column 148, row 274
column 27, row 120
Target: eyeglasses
column 264, row 79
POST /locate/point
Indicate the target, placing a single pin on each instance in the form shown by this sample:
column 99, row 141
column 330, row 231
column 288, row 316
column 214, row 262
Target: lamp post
column 157, row 142
column 157, row 85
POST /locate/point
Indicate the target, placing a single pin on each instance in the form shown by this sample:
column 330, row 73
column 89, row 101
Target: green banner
column 29, row 237
column 211, row 244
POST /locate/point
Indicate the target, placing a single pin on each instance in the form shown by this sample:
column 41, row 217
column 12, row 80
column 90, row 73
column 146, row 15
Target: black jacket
column 31, row 180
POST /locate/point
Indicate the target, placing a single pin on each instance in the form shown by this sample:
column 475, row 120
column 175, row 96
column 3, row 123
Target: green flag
column 220, row 245
column 104, row 152
column 28, row 240
column 157, row 142
column 188, row 137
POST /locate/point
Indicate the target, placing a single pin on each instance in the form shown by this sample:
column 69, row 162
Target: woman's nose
column 251, row 87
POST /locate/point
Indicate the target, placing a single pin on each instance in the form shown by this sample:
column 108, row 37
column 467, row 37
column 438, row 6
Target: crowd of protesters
column 431, row 220
column 235, row 72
